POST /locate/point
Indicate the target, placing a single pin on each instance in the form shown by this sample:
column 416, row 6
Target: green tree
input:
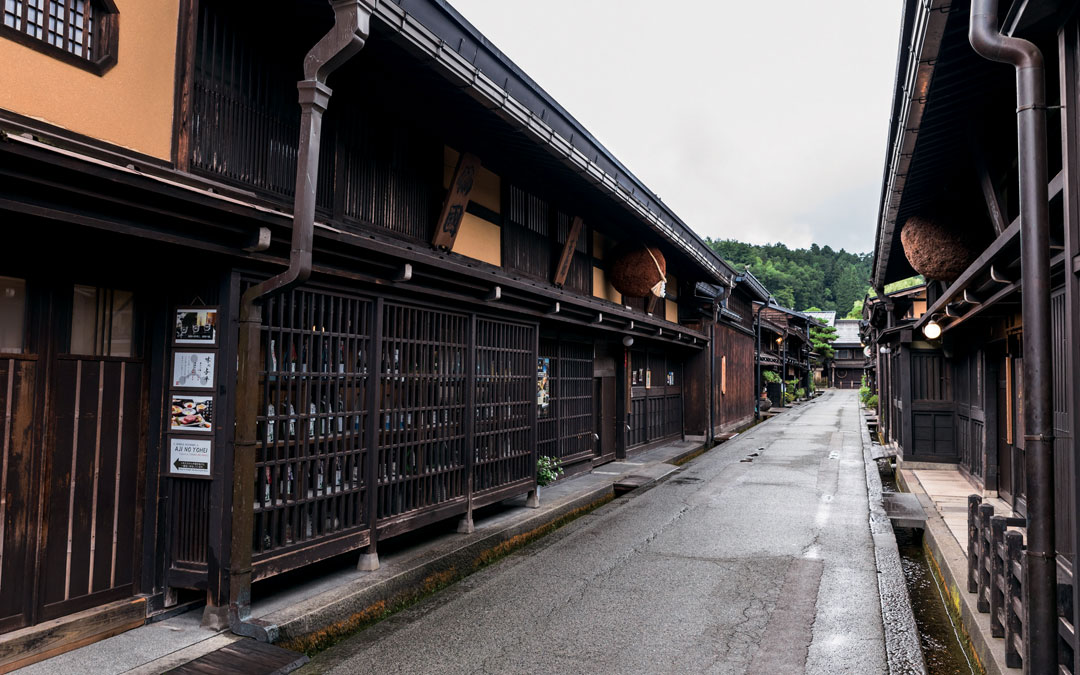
column 822, row 335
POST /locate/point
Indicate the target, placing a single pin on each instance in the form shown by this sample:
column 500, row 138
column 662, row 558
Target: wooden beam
column 650, row 304
column 457, row 198
column 993, row 206
column 567, row 256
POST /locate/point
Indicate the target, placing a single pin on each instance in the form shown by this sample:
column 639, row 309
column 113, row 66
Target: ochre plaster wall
column 671, row 311
column 602, row 289
column 479, row 239
column 131, row 105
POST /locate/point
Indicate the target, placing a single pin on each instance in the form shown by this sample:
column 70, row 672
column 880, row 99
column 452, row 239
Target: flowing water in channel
column 938, row 637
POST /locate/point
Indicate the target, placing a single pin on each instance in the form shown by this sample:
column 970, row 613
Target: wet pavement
column 756, row 557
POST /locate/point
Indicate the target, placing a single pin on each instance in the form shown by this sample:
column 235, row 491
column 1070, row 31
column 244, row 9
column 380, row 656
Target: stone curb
column 951, row 564
column 902, row 645
column 445, row 560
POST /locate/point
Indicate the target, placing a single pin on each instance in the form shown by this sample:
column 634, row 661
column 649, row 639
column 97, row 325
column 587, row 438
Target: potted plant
column 548, row 470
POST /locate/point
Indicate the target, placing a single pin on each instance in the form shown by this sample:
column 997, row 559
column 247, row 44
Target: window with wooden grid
column 566, row 429
column 421, row 410
column 533, row 236
column 505, row 396
column 81, row 32
column 310, row 465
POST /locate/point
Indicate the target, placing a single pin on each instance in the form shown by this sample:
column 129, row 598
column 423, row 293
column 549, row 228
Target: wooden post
column 986, row 512
column 369, row 559
column 567, row 257
column 457, row 198
column 973, row 542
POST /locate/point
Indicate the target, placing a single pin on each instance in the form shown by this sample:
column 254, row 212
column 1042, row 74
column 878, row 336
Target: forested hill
column 802, row 278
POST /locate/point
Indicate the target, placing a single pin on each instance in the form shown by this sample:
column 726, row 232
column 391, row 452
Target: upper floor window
column 81, row 32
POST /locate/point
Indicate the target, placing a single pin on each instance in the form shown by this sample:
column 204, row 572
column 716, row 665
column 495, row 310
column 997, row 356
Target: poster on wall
column 196, row 326
column 192, row 413
column 543, row 384
column 190, row 457
column 193, row 370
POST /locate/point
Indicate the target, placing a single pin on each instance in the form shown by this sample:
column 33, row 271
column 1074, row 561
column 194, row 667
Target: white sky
column 759, row 121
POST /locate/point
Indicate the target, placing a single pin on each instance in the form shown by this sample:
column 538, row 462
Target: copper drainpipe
column 1040, row 582
column 345, row 39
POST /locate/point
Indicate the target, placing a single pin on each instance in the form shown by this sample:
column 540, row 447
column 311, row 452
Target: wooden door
column 604, row 412
column 18, row 374
column 71, row 449
column 89, row 533
column 93, row 453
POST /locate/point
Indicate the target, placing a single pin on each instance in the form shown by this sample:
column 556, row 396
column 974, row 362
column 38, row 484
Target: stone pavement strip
column 757, row 557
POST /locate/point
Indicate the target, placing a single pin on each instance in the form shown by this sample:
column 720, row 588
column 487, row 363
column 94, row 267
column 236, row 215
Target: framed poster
column 543, row 384
column 196, row 326
column 192, row 413
column 190, row 457
column 193, row 370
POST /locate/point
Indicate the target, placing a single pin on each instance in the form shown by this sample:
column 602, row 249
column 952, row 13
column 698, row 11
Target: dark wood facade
column 396, row 388
column 961, row 398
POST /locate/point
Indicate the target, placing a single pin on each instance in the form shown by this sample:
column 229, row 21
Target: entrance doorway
column 72, row 390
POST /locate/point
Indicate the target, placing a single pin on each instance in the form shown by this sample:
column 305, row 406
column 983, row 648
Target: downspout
column 757, row 363
column 1040, row 624
column 345, row 39
column 712, row 372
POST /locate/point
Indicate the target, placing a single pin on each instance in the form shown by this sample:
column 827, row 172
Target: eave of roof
column 920, row 39
column 437, row 31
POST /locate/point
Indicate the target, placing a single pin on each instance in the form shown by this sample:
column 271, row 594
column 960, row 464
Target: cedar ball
column 936, row 248
column 634, row 273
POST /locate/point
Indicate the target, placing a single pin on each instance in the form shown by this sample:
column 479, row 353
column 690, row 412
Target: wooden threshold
column 28, row 645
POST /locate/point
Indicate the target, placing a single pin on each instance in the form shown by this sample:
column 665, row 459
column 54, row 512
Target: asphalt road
column 728, row 566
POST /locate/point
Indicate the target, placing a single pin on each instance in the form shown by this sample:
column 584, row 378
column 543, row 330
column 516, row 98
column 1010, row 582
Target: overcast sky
column 757, row 121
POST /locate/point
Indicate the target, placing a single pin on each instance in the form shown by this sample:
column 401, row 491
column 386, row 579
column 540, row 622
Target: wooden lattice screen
column 311, row 479
column 505, row 400
column 566, row 431
column 421, row 420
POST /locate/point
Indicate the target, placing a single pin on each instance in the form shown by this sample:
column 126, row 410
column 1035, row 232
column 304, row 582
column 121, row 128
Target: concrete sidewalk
column 943, row 494
column 309, row 608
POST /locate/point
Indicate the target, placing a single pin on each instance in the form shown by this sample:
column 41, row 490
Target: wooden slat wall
column 1063, row 447
column 505, row 395
column 736, row 406
column 17, row 377
column 311, row 480
column 94, row 479
column 245, row 125
column 421, row 419
column 566, row 431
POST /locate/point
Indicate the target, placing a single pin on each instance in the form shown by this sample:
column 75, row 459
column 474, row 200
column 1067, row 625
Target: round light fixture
column 932, row 330
column 627, row 341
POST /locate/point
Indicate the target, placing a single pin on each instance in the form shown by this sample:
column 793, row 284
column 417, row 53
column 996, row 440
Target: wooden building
column 978, row 368
column 182, row 420
column 849, row 365
column 784, row 349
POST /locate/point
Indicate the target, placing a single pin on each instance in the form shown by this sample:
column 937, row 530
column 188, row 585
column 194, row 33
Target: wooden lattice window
column 311, row 479
column 81, row 32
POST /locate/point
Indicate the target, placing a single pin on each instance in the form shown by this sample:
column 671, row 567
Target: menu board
column 192, row 404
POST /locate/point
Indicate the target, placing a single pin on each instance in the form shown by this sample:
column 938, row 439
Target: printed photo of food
column 192, row 413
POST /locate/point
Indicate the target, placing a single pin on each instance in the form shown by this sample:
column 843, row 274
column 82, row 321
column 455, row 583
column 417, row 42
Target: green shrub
column 800, row 393
column 871, row 402
column 548, row 470
column 770, row 376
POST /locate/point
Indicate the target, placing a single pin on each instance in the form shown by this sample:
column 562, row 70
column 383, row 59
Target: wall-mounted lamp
column 779, row 341
column 932, row 329
column 627, row 341
column 885, row 350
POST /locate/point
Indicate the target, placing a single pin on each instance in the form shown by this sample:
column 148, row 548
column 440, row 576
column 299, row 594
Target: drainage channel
column 939, row 638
